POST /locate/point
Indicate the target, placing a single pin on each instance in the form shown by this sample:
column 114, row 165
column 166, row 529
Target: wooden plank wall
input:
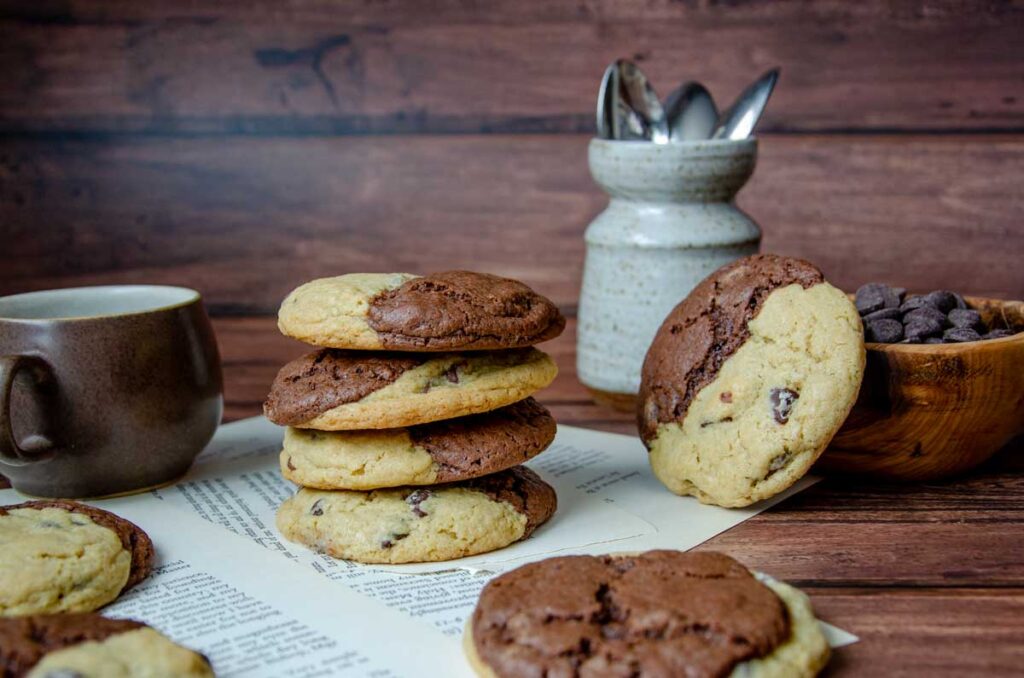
column 244, row 146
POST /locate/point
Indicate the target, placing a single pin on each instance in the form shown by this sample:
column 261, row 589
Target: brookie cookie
column 92, row 646
column 334, row 390
column 440, row 452
column 450, row 311
column 748, row 379
column 412, row 525
column 660, row 613
column 62, row 556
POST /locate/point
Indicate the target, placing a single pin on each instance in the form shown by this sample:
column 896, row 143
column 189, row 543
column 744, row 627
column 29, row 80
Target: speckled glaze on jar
column 671, row 221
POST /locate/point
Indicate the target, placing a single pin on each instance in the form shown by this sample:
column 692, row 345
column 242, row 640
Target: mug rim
column 191, row 296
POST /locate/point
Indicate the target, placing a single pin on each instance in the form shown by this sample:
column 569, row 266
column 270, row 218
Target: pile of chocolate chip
column 939, row 317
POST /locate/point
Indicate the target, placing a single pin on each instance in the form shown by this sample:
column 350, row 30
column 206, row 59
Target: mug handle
column 10, row 452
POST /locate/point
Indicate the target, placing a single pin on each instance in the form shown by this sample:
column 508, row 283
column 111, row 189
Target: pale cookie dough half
column 410, row 525
column 545, row 622
column 428, row 454
column 139, row 653
column 765, row 396
column 448, row 311
column 333, row 390
column 62, row 556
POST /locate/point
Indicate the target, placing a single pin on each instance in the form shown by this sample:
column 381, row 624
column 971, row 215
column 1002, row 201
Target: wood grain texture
column 948, row 632
column 245, row 220
column 352, row 67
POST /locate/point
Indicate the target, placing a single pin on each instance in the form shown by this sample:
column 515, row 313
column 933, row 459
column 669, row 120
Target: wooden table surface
column 931, row 577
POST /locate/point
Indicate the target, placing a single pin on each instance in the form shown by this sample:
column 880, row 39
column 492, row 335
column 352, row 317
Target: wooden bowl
column 929, row 411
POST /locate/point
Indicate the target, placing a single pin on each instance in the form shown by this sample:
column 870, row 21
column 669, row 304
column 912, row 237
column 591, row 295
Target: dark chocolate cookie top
column 463, row 310
column 133, row 539
column 25, row 640
column 479, row 444
column 523, row 489
column 328, row 378
column 660, row 613
column 707, row 327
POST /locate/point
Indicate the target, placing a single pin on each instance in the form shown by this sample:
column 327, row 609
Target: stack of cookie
column 407, row 428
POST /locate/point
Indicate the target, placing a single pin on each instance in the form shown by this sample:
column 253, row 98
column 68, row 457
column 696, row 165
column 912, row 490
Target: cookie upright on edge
column 660, row 613
column 92, row 646
column 748, row 379
column 335, row 390
column 62, row 556
column 439, row 452
column 449, row 311
column 427, row 524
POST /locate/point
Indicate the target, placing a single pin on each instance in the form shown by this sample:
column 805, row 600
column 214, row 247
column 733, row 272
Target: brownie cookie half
column 660, row 613
column 335, row 390
column 92, row 646
column 428, row 454
column 414, row 525
column 449, row 311
column 748, row 379
column 62, row 556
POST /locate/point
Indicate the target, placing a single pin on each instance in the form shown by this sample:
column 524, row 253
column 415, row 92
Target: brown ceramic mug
column 105, row 390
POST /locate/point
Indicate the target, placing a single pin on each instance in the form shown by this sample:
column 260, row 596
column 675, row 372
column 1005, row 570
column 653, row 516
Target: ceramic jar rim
column 174, row 297
column 698, row 148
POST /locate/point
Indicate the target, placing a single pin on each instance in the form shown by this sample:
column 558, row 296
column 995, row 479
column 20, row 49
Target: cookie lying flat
column 410, row 525
column 334, row 390
column 428, row 454
column 450, row 311
column 92, row 646
column 748, row 380
column 62, row 556
column 660, row 613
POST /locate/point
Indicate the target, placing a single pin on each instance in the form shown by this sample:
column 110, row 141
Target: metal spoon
column 739, row 121
column 690, row 113
column 607, row 102
column 639, row 111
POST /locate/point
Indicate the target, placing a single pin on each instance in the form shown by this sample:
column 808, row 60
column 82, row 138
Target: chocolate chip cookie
column 449, row 311
column 748, row 380
column 335, row 390
column 92, row 646
column 62, row 556
column 410, row 525
column 660, row 613
column 428, row 454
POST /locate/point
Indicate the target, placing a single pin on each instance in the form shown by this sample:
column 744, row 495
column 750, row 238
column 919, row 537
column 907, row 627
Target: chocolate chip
column 778, row 462
column 417, row 497
column 63, row 673
column 782, row 400
column 390, row 541
column 965, row 317
column 918, row 329
column 291, row 466
column 961, row 334
column 883, row 331
column 998, row 334
column 705, row 424
column 317, row 509
column 725, row 396
column 452, row 373
column 926, row 312
column 875, row 296
column 914, row 303
column 884, row 314
column 943, row 300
